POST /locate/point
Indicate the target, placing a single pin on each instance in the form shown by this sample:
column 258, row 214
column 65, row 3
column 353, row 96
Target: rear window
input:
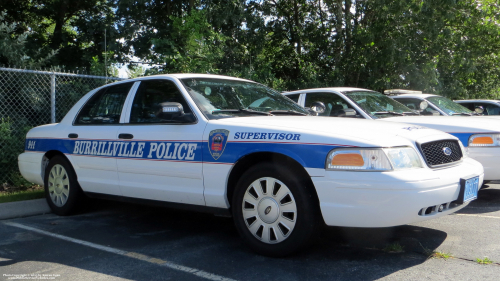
column 105, row 106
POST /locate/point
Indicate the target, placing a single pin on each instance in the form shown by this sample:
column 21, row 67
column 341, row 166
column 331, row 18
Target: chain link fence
column 30, row 98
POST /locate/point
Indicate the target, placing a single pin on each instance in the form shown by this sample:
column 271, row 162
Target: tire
column 277, row 220
column 62, row 191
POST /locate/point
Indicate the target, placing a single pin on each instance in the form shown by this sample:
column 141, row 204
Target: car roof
column 492, row 101
column 415, row 96
column 336, row 89
column 201, row 75
column 180, row 76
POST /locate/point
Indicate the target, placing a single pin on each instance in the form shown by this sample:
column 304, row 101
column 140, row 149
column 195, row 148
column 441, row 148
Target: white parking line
column 480, row 216
column 171, row 265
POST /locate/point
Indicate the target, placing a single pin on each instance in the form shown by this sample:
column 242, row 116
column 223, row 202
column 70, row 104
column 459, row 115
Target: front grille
column 434, row 152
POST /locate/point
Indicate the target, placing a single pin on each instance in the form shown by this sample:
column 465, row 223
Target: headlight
column 373, row 159
column 403, row 158
column 484, row 140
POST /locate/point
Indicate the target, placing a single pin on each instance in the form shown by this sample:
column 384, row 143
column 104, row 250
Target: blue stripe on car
column 308, row 155
column 463, row 137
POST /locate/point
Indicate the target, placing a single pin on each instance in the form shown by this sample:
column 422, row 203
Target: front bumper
column 490, row 158
column 383, row 199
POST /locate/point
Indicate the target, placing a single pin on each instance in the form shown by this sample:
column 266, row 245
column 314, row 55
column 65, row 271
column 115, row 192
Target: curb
column 24, row 209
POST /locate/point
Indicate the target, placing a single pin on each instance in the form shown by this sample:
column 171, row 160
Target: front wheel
column 62, row 191
column 274, row 212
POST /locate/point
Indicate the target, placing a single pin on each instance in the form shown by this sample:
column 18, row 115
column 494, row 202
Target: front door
column 160, row 159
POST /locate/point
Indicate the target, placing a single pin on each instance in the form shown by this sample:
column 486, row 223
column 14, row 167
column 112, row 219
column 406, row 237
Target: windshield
column 448, row 106
column 221, row 98
column 377, row 104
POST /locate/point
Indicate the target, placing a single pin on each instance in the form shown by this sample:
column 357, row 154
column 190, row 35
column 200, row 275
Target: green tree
column 444, row 46
column 13, row 47
column 136, row 71
column 140, row 22
column 76, row 29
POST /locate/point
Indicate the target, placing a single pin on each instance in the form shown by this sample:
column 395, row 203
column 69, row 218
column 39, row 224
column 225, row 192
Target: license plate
column 468, row 189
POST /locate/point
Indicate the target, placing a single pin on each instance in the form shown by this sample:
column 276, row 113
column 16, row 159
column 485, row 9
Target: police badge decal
column 217, row 140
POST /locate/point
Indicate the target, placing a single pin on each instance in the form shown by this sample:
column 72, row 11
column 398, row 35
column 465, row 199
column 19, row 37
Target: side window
column 489, row 109
column 469, row 106
column 105, row 106
column 414, row 104
column 335, row 105
column 294, row 97
column 410, row 103
column 150, row 95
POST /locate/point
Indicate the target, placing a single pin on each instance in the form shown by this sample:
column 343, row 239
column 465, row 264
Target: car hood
column 451, row 124
column 495, row 117
column 359, row 131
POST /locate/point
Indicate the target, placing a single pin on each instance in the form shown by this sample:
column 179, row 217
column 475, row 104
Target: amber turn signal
column 348, row 159
column 482, row 140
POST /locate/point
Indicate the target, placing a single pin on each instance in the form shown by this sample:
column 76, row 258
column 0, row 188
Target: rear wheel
column 62, row 191
column 274, row 211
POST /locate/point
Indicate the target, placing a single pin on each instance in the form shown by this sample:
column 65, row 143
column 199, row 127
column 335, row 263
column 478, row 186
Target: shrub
column 11, row 145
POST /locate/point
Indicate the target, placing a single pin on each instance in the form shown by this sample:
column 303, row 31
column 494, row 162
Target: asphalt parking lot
column 116, row 241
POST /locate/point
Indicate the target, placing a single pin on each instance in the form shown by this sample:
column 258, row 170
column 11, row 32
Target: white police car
column 489, row 108
column 222, row 144
column 481, row 137
column 440, row 105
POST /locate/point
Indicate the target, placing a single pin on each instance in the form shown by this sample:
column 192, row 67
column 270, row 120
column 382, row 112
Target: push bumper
column 490, row 158
column 383, row 199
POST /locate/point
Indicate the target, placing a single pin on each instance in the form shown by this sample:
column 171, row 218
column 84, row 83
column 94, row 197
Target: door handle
column 126, row 136
column 73, row 136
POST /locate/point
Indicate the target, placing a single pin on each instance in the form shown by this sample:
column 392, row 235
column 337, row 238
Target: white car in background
column 443, row 105
column 480, row 136
column 490, row 108
column 225, row 145
column 440, row 104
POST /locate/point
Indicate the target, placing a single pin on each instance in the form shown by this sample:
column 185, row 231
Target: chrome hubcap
column 58, row 185
column 269, row 210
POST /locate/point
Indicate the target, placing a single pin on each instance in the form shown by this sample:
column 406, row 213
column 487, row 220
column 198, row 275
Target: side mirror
column 170, row 110
column 345, row 112
column 424, row 105
column 430, row 112
column 318, row 107
column 479, row 109
column 173, row 111
column 349, row 112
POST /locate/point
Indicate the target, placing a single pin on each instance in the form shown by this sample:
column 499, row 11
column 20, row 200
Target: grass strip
column 394, row 248
column 441, row 255
column 21, row 195
column 484, row 261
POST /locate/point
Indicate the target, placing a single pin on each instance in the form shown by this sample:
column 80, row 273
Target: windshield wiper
column 291, row 112
column 388, row 112
column 411, row 113
column 241, row 110
column 462, row 113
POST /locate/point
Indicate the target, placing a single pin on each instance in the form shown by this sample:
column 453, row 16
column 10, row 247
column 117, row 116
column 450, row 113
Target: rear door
column 92, row 140
column 160, row 159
